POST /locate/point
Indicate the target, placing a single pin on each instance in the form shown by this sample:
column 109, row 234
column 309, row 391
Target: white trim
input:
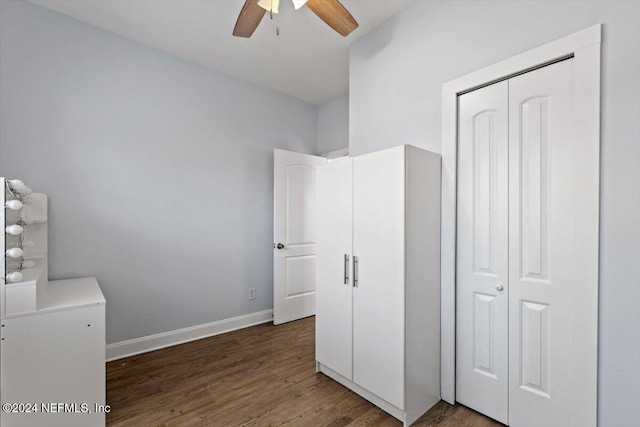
column 180, row 336
column 337, row 154
column 585, row 46
column 529, row 59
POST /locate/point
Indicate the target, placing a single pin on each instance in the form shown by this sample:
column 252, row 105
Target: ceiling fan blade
column 249, row 18
column 334, row 14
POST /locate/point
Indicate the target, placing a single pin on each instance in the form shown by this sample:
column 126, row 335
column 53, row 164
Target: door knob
column 280, row 246
column 499, row 288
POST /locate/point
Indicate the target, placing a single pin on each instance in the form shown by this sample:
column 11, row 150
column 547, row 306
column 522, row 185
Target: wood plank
column 259, row 376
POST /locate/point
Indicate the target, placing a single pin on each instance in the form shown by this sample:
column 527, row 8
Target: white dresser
column 56, row 355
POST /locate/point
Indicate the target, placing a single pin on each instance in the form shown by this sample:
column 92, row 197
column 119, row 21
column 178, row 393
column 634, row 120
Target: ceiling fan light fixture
column 270, row 5
column 298, row 3
column 332, row 12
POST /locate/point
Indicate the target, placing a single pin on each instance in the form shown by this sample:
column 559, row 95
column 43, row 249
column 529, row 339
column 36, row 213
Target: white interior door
column 482, row 250
column 378, row 247
column 547, row 255
column 294, row 235
column 334, row 294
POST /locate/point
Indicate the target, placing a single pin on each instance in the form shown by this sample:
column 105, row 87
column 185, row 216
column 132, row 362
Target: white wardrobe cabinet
column 378, row 277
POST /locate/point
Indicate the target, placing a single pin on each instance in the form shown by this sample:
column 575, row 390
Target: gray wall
column 396, row 74
column 159, row 171
column 333, row 124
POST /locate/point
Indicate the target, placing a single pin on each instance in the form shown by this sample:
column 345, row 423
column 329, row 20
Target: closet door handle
column 346, row 269
column 355, row 271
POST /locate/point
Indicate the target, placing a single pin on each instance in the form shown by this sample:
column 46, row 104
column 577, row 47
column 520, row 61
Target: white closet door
column 546, row 256
column 378, row 244
column 334, row 219
column 482, row 250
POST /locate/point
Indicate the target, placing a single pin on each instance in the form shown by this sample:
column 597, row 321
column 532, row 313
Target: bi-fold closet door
column 520, row 260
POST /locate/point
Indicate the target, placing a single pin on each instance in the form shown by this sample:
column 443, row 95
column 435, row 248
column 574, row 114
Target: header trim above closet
column 547, row 54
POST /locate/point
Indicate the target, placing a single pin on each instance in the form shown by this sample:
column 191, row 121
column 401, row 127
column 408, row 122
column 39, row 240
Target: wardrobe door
column 482, row 248
column 334, row 198
column 378, row 247
column 552, row 295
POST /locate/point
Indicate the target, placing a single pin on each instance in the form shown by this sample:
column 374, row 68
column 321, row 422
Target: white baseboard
column 135, row 346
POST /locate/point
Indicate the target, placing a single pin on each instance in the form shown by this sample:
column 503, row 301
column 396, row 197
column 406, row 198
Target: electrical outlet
column 252, row 293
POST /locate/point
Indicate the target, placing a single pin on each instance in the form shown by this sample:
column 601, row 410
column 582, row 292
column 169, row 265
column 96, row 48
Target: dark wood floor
column 259, row 376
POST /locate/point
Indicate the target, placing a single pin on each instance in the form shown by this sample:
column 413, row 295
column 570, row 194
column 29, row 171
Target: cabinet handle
column 355, row 271
column 346, row 269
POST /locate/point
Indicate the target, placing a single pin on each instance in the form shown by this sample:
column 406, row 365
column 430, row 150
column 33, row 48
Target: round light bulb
column 272, row 5
column 28, row 264
column 27, row 244
column 19, row 187
column 14, row 205
column 16, row 184
column 14, row 277
column 14, row 229
column 299, row 3
column 14, row 252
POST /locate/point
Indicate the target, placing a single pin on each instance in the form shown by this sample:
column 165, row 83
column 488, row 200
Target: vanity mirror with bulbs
column 25, row 244
column 52, row 346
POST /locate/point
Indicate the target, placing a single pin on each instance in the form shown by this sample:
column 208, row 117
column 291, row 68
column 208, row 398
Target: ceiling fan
column 332, row 12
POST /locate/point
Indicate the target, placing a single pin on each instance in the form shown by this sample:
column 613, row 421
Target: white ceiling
column 308, row 60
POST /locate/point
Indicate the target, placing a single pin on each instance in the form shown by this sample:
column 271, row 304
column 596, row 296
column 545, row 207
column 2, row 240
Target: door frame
column 584, row 48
